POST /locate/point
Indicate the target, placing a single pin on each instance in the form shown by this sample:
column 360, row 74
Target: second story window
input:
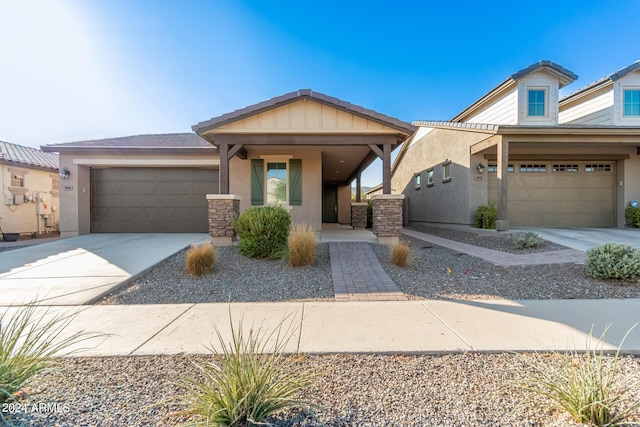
column 632, row 102
column 536, row 102
column 17, row 180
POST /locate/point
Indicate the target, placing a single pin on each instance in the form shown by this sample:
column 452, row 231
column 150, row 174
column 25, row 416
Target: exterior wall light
column 480, row 168
column 64, row 173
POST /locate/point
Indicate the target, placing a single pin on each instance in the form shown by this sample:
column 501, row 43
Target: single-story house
column 301, row 151
column 29, row 188
column 543, row 160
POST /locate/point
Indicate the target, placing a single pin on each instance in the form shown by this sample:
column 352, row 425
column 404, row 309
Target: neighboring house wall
column 502, row 111
column 446, row 201
column 593, row 109
column 310, row 211
column 630, row 81
column 23, row 207
column 538, row 80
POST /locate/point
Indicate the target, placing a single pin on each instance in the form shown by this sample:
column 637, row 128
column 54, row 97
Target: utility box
column 18, row 199
column 43, row 204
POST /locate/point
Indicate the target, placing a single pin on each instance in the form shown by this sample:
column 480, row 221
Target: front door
column 330, row 203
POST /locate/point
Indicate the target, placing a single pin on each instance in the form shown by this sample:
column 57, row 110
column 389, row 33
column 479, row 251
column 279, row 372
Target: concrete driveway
column 587, row 238
column 80, row 269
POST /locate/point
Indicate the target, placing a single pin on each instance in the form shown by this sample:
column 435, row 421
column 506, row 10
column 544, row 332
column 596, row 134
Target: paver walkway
column 503, row 258
column 358, row 276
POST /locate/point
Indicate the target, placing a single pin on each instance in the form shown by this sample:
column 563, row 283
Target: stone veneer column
column 387, row 217
column 222, row 208
column 359, row 214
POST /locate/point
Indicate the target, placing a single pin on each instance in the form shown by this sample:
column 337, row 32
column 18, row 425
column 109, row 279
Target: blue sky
column 84, row 69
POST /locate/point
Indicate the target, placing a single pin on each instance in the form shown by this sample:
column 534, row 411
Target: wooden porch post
column 224, row 168
column 358, row 187
column 386, row 169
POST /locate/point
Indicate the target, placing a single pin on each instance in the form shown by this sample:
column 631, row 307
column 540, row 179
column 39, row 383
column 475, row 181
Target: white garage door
column 146, row 200
column 559, row 193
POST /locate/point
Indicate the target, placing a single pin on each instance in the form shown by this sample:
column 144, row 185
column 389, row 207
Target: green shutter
column 295, row 182
column 257, row 182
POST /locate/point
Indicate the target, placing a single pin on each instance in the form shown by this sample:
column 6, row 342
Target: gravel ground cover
column 240, row 279
column 353, row 390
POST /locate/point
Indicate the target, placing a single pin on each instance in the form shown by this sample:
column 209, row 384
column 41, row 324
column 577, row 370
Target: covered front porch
column 303, row 151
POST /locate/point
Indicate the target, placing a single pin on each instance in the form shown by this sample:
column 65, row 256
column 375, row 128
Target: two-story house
column 543, row 160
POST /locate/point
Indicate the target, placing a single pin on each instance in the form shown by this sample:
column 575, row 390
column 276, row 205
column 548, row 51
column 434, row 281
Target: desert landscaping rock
column 353, row 390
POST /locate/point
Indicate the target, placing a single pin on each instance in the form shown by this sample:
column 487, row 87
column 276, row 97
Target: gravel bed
column 491, row 240
column 353, row 390
column 427, row 277
column 235, row 278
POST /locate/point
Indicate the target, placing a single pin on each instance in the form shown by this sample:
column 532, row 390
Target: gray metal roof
column 606, row 79
column 170, row 140
column 565, row 75
column 27, row 156
column 471, row 126
column 294, row 96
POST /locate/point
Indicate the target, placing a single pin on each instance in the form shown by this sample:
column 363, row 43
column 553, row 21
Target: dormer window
column 537, row 102
column 632, row 102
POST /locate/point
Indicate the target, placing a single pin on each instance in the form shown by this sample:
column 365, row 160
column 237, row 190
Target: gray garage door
column 151, row 200
column 559, row 193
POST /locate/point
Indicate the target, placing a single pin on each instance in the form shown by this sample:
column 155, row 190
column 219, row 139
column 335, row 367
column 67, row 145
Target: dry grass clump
column 201, row 259
column 400, row 253
column 302, row 245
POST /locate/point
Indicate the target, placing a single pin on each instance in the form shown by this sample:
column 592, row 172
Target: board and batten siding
column 503, row 111
column 597, row 110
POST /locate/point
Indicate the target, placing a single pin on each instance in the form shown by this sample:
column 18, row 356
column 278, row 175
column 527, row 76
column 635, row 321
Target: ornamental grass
column 301, row 245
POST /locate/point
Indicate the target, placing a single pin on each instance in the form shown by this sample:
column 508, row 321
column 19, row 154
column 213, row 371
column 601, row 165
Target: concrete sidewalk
column 426, row 326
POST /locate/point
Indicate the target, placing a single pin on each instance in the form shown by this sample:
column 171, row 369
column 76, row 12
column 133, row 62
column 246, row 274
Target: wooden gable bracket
column 237, row 150
column 377, row 150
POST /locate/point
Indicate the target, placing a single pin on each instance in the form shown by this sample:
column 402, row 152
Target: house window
column 597, row 168
column 494, row 168
column 276, row 182
column 55, row 183
column 430, row 178
column 446, row 172
column 416, row 177
column 565, row 168
column 632, row 103
column 17, row 179
column 536, row 102
column 533, row 168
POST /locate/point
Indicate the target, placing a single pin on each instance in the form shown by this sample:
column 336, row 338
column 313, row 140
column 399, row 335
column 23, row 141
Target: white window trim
column 546, row 103
column 624, row 89
column 444, row 177
column 279, row 158
column 417, row 181
column 430, row 177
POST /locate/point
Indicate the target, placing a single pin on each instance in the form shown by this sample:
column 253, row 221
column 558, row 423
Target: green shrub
column 263, row 231
column 302, row 245
column 370, row 214
column 201, row 259
column 587, row 386
column 527, row 240
column 249, row 381
column 614, row 261
column 400, row 253
column 632, row 216
column 29, row 341
column 486, row 216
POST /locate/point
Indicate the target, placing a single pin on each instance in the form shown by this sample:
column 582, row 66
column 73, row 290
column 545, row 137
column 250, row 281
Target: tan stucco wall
column 310, row 211
column 444, row 202
column 75, row 192
column 23, row 218
column 631, row 185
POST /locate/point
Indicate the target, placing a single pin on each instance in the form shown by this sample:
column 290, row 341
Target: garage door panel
column 151, row 199
column 562, row 197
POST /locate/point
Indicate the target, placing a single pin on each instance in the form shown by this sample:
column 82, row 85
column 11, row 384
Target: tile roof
column 171, row 140
column 606, row 79
column 294, row 96
column 27, row 156
column 565, row 75
column 472, row 126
